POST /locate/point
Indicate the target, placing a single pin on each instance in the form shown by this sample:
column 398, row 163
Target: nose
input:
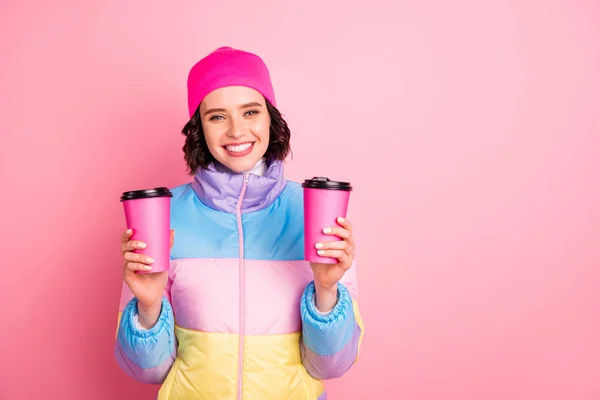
column 236, row 129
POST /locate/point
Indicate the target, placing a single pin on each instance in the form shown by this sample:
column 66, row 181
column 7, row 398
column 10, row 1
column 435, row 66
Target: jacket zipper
column 242, row 290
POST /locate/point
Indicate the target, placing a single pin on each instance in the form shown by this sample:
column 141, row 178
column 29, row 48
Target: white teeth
column 240, row 148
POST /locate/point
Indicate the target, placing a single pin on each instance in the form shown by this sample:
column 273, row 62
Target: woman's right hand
column 148, row 289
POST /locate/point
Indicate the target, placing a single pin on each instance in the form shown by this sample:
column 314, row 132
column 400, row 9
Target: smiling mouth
column 239, row 149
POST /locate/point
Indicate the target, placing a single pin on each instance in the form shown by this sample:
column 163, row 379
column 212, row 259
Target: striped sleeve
column 330, row 342
column 145, row 355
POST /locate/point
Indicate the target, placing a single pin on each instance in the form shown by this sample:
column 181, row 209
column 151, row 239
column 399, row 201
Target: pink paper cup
column 324, row 201
column 148, row 215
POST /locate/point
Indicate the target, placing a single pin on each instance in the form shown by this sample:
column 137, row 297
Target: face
column 236, row 125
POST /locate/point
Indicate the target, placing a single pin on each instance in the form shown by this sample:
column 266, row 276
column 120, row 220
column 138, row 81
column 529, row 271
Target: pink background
column 470, row 129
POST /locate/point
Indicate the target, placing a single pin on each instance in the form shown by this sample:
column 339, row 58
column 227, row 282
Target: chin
column 239, row 165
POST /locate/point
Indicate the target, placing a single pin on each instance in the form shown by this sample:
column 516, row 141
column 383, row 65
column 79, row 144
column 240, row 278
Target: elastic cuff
column 165, row 318
column 341, row 308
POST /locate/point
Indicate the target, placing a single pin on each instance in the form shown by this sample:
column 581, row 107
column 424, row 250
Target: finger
column 340, row 232
column 344, row 260
column 332, row 253
column 335, row 245
column 134, row 266
column 337, row 231
column 172, row 238
column 132, row 245
column 126, row 235
column 345, row 222
column 138, row 258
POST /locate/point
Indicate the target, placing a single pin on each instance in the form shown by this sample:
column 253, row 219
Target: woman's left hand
column 328, row 275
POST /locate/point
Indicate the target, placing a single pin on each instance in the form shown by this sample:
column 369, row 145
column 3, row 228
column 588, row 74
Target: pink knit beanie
column 228, row 67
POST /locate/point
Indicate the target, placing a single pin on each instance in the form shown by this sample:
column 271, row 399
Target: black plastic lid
column 146, row 193
column 319, row 182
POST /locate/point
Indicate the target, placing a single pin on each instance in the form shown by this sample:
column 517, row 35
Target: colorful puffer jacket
column 238, row 318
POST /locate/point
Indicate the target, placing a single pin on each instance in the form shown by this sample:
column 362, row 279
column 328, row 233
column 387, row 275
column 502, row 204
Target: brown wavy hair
column 197, row 155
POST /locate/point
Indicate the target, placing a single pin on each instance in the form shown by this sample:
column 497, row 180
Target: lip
column 239, row 154
column 236, row 144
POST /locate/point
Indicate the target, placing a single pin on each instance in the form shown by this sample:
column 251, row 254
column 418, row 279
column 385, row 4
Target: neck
column 219, row 187
column 259, row 168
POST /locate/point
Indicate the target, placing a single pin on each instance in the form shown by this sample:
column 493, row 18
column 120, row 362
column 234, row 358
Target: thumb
column 172, row 238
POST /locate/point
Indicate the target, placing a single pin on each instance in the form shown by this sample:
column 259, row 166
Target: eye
column 251, row 112
column 215, row 118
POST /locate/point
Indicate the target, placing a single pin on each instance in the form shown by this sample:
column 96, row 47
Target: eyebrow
column 243, row 106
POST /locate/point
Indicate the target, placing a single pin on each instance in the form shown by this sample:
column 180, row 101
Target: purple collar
column 220, row 188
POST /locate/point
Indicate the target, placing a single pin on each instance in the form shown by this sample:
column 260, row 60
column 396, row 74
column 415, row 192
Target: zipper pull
column 246, row 178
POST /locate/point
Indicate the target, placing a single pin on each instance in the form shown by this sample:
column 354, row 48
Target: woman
column 240, row 314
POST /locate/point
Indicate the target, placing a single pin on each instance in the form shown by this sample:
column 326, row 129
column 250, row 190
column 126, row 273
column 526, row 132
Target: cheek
column 211, row 136
column 261, row 129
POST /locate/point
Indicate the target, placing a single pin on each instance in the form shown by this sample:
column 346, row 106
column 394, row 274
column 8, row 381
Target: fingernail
column 150, row 259
column 321, row 252
column 147, row 267
column 327, row 230
column 128, row 231
column 143, row 245
column 340, row 219
column 319, row 245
